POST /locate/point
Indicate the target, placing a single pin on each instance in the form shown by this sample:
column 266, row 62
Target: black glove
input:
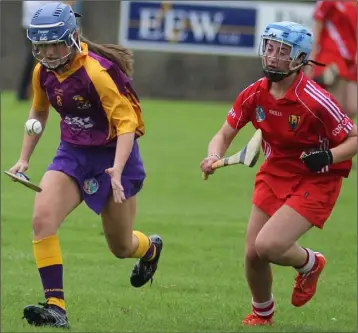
column 317, row 159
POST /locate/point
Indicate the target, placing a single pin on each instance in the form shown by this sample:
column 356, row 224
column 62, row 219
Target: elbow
column 346, row 150
column 353, row 137
column 41, row 116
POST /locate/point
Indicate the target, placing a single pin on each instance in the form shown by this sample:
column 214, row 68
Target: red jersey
column 306, row 118
column 339, row 20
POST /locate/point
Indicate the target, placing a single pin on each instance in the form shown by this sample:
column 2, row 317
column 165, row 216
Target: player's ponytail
column 116, row 53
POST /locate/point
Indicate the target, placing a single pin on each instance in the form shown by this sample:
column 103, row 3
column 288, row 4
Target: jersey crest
column 293, row 121
column 260, row 114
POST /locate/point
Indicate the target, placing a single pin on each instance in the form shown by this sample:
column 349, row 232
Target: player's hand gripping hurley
column 24, row 180
column 247, row 156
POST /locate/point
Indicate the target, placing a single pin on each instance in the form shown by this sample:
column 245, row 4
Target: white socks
column 264, row 310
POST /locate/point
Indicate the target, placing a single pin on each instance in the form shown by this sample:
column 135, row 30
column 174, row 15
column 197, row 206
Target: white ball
column 33, row 127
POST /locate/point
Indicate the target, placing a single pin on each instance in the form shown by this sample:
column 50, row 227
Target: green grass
column 200, row 285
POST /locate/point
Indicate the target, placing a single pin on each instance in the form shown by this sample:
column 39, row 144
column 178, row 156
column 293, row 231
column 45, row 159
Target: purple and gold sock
column 48, row 258
column 146, row 249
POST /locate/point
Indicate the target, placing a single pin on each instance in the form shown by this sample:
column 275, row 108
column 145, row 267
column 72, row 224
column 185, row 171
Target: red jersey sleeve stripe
column 242, row 105
column 348, row 127
column 326, row 102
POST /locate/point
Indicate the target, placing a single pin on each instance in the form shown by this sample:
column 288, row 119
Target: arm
column 123, row 119
column 222, row 140
column 29, row 142
column 123, row 150
column 123, row 122
column 319, row 16
column 316, row 30
column 347, row 149
column 238, row 117
column 39, row 111
column 341, row 133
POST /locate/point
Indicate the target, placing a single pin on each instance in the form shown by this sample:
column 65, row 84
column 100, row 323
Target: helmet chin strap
column 276, row 76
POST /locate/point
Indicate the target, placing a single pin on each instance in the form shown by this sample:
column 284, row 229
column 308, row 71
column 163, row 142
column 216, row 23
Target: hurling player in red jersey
column 335, row 31
column 308, row 142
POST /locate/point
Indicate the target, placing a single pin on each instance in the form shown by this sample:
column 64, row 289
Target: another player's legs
column 338, row 89
column 276, row 243
column 118, row 220
column 58, row 198
column 258, row 273
column 345, row 92
column 351, row 99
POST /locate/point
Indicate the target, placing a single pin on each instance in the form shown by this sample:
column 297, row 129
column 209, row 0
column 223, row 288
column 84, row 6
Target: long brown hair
column 116, row 53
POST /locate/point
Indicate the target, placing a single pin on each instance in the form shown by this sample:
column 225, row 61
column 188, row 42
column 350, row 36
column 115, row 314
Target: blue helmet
column 53, row 23
column 297, row 37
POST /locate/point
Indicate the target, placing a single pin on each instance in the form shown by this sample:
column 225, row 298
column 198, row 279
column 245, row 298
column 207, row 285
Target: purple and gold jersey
column 94, row 98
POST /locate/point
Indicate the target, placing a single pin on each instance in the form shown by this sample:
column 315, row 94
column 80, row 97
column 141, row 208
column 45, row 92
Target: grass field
column 200, row 285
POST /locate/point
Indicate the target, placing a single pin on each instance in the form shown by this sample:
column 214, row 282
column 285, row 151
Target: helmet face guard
column 284, row 49
column 56, row 53
column 277, row 60
column 53, row 35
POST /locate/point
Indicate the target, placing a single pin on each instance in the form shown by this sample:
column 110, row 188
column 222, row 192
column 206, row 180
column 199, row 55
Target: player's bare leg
column 337, row 90
column 276, row 243
column 118, row 221
column 351, row 100
column 258, row 273
column 59, row 196
column 345, row 92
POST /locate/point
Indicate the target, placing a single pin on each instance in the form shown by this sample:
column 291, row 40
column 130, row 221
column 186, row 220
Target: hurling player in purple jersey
column 98, row 159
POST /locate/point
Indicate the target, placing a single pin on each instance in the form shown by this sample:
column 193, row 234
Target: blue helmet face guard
column 55, row 53
column 276, row 59
column 284, row 49
column 53, row 33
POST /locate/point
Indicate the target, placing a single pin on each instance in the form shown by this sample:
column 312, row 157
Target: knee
column 268, row 249
column 42, row 225
column 121, row 251
column 251, row 255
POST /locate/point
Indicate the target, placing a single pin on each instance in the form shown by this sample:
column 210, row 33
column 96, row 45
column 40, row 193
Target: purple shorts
column 87, row 166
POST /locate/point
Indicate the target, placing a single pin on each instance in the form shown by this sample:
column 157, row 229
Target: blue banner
column 219, row 27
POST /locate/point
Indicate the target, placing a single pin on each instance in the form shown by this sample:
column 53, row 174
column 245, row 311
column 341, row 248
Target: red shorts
column 347, row 69
column 312, row 197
